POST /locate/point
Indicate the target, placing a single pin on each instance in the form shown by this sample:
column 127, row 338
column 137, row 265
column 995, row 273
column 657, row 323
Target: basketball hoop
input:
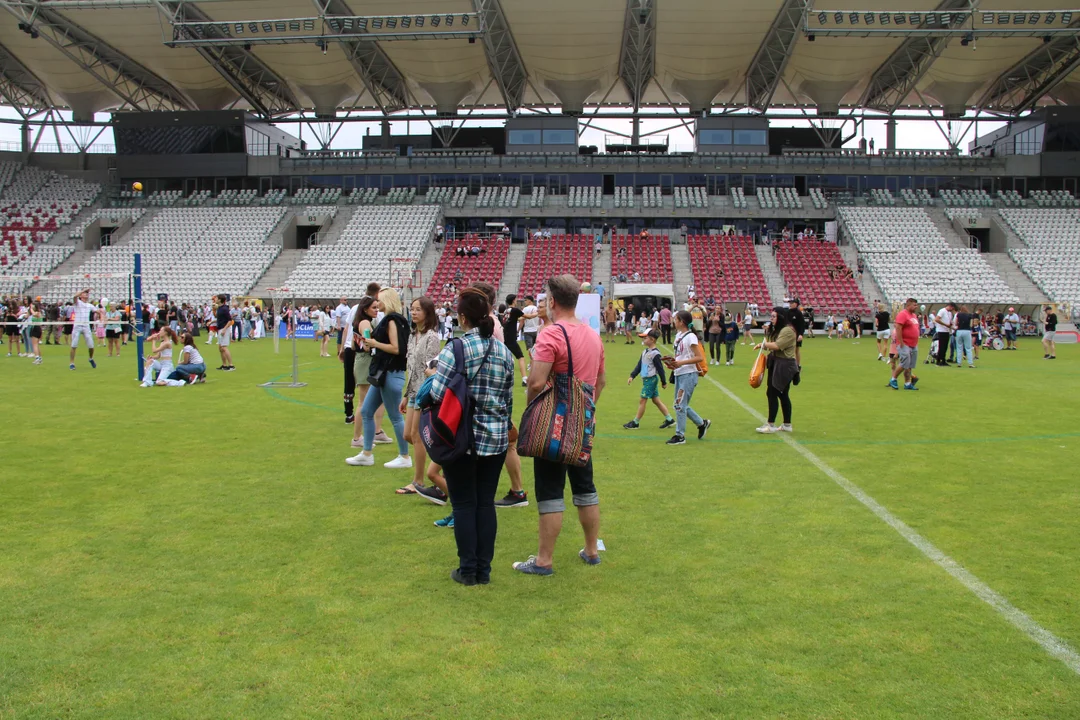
column 278, row 296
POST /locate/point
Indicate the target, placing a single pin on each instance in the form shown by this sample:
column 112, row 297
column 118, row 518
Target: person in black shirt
column 1049, row 328
column 225, row 325
column 881, row 328
column 510, row 333
column 798, row 323
column 963, row 339
column 628, row 323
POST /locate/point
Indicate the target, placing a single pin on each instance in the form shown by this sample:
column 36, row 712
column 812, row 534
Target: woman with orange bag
column 780, row 342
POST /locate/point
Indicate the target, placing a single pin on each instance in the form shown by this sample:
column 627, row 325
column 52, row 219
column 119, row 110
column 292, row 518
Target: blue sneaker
column 529, row 567
column 588, row 560
column 446, row 522
column 910, row 386
column 71, row 366
column 93, row 364
column 893, row 384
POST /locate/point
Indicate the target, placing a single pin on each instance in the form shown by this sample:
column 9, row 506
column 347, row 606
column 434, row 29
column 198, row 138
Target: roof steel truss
column 767, row 67
column 137, row 86
column 264, row 90
column 503, row 57
column 1025, row 83
column 19, row 87
column 377, row 72
column 637, row 59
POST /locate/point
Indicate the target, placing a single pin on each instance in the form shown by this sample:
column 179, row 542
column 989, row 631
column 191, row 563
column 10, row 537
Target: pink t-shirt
column 665, row 317
column 498, row 334
column 910, row 325
column 584, row 342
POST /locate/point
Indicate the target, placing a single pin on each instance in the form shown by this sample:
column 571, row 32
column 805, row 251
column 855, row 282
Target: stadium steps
column 142, row 222
column 430, row 260
column 1012, row 240
column 869, row 288
column 63, row 235
column 1017, row 280
column 774, row 279
column 955, row 239
column 515, row 264
column 337, row 225
column 681, row 272
column 68, row 267
column 601, row 267
column 278, row 272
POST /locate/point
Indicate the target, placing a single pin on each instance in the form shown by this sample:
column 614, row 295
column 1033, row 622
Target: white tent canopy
column 664, row 290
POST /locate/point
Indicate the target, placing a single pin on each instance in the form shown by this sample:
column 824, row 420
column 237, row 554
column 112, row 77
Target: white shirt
column 943, row 320
column 656, row 317
column 531, row 324
column 1011, row 321
column 340, row 313
column 194, row 358
column 82, row 313
column 347, row 338
column 684, row 350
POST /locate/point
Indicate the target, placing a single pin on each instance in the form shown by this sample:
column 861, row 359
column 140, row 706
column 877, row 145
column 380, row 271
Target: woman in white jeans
column 688, row 353
column 159, row 363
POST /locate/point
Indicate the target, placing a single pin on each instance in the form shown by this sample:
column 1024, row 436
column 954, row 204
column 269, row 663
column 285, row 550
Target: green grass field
column 204, row 552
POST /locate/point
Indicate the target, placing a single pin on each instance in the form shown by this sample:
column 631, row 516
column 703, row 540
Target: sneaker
column 432, row 494
column 786, row 427
column 446, row 522
column 93, row 364
column 703, row 428
column 880, row 356
column 767, row 429
column 399, row 463
column 357, row 443
column 588, row 560
column 230, row 368
column 676, row 440
column 667, row 423
column 220, row 367
column 513, row 499
column 349, row 419
column 466, row 580
column 910, row 386
column 1046, row 357
column 914, row 380
column 529, row 567
column 632, row 425
column 361, row 459
column 894, row 385
column 381, row 438
column 37, row 361
column 524, row 382
column 70, row 367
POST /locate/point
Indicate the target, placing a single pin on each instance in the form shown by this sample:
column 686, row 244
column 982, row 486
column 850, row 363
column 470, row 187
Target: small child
column 731, row 336
column 651, row 369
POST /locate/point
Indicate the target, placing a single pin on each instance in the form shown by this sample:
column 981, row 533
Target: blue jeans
column 684, row 390
column 183, row 370
column 963, row 345
column 390, row 396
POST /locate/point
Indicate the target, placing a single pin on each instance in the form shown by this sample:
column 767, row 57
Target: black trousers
column 778, row 401
column 472, row 481
column 942, row 347
column 665, row 333
column 350, row 381
column 716, row 346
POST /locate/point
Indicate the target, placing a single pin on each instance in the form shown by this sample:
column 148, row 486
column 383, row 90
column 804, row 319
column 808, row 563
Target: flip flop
column 409, row 489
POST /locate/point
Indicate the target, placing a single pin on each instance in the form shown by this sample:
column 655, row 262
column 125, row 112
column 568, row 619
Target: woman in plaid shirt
column 474, row 478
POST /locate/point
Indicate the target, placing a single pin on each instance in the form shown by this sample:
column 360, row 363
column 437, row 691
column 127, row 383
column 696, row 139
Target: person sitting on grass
column 651, row 369
column 192, row 367
column 159, row 362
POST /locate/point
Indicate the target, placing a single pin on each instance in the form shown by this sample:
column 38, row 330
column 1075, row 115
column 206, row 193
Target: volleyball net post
column 279, row 296
column 136, row 316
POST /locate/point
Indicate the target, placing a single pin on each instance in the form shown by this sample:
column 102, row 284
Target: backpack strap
column 484, row 360
column 458, row 348
column 569, row 352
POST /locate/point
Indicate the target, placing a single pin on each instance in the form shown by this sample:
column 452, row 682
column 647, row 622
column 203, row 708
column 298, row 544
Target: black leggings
column 716, row 345
column 779, row 400
column 350, row 381
column 665, row 333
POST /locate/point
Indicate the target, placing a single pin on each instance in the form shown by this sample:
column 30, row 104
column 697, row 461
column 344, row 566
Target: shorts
column 1049, row 335
column 81, row 331
column 35, row 332
column 650, row 387
column 11, row 329
column 340, row 333
column 611, row 327
column 884, row 334
column 112, row 334
column 514, row 348
column 551, row 485
column 909, row 357
column 1010, row 335
column 530, row 340
column 224, row 337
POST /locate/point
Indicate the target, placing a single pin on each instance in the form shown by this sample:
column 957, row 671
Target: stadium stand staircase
column 68, row 267
column 140, row 224
column 429, row 261
column 680, row 266
column 515, row 264
column 774, row 279
column 1012, row 240
column 1017, row 280
column 278, row 272
column 601, row 267
column 945, row 226
column 869, row 288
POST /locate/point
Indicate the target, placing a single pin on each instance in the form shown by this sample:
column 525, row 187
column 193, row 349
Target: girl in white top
column 688, row 353
column 159, row 363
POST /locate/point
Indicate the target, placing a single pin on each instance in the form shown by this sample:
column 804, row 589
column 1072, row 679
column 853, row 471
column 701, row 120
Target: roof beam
column 377, row 72
column 131, row 82
column 637, row 58
column 767, row 68
column 264, row 90
column 19, row 86
column 901, row 72
column 1036, row 74
column 503, row 57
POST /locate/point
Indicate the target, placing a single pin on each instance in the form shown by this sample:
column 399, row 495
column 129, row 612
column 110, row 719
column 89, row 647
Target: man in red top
column 550, row 355
column 907, row 345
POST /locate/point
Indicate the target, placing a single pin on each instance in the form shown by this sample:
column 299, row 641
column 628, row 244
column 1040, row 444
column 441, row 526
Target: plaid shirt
column 492, row 387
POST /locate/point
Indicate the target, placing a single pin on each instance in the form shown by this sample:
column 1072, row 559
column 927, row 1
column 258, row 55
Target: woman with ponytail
column 688, row 353
column 780, row 341
column 473, row 478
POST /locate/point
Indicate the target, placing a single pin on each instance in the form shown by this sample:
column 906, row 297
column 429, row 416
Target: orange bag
column 757, row 372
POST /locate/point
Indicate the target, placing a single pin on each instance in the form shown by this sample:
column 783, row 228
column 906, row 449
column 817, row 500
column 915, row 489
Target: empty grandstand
column 648, row 259
column 1052, row 256
column 815, row 273
column 726, row 269
column 461, row 264
column 560, row 254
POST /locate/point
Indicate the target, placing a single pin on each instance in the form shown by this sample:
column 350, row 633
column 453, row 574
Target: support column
column 24, row 137
column 890, row 134
column 635, row 132
column 386, row 134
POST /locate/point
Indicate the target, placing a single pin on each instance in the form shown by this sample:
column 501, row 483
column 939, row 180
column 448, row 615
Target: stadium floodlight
column 884, row 18
column 869, row 18
column 853, row 18
column 419, row 21
column 1050, row 17
column 915, row 18
column 839, row 18
column 823, row 18
column 1066, row 18
column 988, row 18
column 900, row 18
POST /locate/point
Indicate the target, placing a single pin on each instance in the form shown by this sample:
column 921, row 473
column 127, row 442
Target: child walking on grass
column 651, row 369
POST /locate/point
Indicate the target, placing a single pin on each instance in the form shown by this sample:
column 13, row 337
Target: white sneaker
column 880, row 356
column 399, row 462
column 767, row 428
column 382, row 438
column 786, row 427
column 360, row 459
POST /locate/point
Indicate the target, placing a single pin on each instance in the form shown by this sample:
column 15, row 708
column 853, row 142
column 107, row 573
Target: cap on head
column 1012, row 310
column 654, row 334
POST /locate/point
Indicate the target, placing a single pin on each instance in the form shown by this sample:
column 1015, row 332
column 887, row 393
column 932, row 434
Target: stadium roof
column 99, row 55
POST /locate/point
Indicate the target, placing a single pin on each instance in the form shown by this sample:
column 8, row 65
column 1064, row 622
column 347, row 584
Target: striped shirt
column 492, row 387
column 194, row 358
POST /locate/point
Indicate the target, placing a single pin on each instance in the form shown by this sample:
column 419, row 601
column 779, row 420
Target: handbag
column 559, row 424
column 757, row 371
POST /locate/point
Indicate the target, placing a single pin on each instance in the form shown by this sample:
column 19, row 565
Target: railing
column 64, row 148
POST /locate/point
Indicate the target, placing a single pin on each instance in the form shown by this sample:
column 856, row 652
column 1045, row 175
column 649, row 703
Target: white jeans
column 79, row 331
column 157, row 369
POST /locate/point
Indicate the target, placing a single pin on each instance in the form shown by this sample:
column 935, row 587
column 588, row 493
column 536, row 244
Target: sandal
column 409, row 489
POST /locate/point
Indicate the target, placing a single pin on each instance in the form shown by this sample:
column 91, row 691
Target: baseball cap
column 654, row 334
column 1012, row 310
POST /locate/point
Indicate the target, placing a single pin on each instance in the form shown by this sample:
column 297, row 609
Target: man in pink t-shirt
column 665, row 324
column 549, row 355
column 907, row 345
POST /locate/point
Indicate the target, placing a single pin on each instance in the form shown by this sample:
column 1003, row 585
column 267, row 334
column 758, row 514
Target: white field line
column 1049, row 642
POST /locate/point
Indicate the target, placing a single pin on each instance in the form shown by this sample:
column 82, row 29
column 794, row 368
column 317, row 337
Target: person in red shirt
column 907, row 345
